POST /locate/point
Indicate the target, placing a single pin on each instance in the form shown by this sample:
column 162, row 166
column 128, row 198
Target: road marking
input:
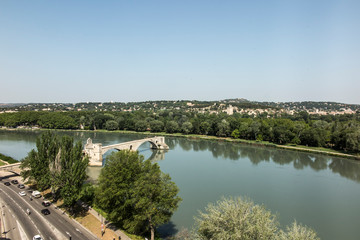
column 21, row 231
column 23, row 211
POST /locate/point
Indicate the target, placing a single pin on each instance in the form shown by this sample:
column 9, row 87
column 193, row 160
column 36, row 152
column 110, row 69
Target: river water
column 319, row 191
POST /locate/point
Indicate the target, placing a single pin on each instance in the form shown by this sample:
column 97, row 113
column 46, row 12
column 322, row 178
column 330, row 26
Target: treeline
column 341, row 132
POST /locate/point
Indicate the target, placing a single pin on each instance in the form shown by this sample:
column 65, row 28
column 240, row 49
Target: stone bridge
column 95, row 151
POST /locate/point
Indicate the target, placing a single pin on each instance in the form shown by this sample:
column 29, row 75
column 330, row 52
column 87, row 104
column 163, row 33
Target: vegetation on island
column 340, row 132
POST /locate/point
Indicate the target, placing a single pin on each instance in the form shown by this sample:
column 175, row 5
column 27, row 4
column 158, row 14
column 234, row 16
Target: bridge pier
column 95, row 151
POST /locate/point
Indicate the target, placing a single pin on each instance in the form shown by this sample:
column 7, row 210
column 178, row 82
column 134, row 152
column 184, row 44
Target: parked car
column 21, row 186
column 7, row 183
column 36, row 194
column 22, row 193
column 46, row 203
column 14, row 181
column 45, row 211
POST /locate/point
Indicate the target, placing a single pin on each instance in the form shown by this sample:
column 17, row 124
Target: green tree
column 237, row 219
column 205, row 128
column 141, row 126
column 156, row 126
column 223, row 128
column 73, row 170
column 56, row 164
column 186, row 127
column 172, row 127
column 35, row 167
column 297, row 232
column 155, row 197
column 241, row 219
column 111, row 125
column 135, row 193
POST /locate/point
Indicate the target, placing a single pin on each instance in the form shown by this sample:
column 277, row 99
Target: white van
column 36, row 194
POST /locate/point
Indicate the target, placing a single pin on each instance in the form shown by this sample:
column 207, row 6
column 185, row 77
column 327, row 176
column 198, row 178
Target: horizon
column 89, row 51
column 178, row 100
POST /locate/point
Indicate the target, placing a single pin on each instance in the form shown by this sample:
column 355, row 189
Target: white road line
column 21, row 231
column 23, row 211
column 57, row 233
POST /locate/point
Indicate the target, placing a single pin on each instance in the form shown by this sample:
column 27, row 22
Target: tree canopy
column 241, row 219
column 56, row 164
column 135, row 193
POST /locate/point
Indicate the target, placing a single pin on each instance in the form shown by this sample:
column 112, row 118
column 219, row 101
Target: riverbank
column 301, row 148
column 4, row 160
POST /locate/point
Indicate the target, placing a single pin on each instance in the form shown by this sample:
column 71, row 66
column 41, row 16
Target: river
column 319, row 191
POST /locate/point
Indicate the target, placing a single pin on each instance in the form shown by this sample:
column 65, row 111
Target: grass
column 7, row 159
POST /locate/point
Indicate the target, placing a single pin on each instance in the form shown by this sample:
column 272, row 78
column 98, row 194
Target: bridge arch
column 95, row 151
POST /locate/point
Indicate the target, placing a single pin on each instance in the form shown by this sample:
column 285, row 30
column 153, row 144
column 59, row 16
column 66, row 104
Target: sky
column 128, row 51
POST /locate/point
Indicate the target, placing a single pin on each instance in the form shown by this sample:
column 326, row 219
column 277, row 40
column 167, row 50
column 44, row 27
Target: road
column 20, row 225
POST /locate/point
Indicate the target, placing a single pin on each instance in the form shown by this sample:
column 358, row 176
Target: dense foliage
column 341, row 132
column 56, row 164
column 135, row 193
column 241, row 219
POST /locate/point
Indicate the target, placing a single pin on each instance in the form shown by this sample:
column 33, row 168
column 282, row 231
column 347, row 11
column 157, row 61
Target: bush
column 236, row 218
column 241, row 219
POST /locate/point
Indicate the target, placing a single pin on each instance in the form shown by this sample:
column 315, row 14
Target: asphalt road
column 56, row 225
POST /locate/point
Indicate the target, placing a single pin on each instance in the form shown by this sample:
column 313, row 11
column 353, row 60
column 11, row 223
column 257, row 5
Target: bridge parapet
column 95, row 150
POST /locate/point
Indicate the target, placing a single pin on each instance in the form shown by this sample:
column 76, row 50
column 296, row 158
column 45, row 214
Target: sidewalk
column 108, row 225
column 94, row 221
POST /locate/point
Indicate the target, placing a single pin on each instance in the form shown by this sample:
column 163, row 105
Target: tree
column 56, row 164
column 141, row 126
column 186, row 127
column 223, row 128
column 135, row 193
column 111, row 125
column 205, row 128
column 35, row 167
column 236, row 218
column 156, row 126
column 73, row 170
column 241, row 219
column 155, row 197
column 172, row 127
column 297, row 232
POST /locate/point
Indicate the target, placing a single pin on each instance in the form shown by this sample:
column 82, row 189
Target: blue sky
column 74, row 51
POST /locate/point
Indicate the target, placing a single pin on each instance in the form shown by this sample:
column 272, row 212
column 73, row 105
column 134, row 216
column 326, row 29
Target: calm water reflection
column 320, row 191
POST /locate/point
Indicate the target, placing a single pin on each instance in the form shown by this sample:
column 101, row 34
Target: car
column 14, row 181
column 46, row 203
column 22, row 193
column 37, row 237
column 36, row 194
column 45, row 211
column 7, row 183
column 21, row 186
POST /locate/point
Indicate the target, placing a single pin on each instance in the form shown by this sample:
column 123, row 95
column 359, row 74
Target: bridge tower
column 94, row 152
